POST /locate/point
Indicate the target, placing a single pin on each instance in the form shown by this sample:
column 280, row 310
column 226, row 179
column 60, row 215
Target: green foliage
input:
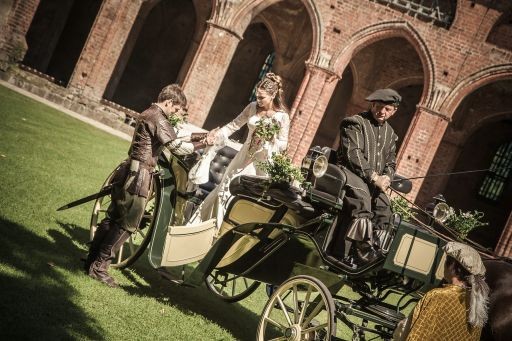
column 465, row 222
column 267, row 129
column 176, row 120
column 401, row 206
column 280, row 169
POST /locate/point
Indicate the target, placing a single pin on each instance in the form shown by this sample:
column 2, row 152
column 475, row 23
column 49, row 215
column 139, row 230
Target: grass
column 48, row 159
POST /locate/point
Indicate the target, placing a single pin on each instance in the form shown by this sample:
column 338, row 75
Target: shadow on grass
column 235, row 318
column 238, row 320
column 36, row 299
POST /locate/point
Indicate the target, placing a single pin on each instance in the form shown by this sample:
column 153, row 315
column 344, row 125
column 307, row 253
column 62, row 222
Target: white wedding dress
column 245, row 161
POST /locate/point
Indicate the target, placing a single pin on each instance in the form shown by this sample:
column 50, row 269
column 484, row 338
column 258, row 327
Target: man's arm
column 390, row 167
column 180, row 147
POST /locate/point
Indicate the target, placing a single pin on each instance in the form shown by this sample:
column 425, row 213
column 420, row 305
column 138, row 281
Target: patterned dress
column 442, row 315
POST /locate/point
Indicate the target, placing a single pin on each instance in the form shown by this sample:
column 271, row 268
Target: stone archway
column 269, row 32
column 480, row 125
column 390, row 62
column 384, row 30
column 154, row 53
column 57, row 36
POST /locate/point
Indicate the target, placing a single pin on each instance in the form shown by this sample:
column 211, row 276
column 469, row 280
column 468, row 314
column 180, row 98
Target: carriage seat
column 258, row 187
column 217, row 168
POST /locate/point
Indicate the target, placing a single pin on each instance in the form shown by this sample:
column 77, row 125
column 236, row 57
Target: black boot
column 365, row 253
column 111, row 244
column 95, row 244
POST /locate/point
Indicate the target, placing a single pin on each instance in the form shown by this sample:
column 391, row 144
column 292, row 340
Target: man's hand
column 382, row 182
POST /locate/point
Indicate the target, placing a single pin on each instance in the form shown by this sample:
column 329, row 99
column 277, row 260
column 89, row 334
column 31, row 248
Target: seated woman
column 268, row 113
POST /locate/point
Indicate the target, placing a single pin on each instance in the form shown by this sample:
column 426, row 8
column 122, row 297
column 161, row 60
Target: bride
column 268, row 123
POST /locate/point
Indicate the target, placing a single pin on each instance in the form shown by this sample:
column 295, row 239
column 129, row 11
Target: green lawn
column 46, row 160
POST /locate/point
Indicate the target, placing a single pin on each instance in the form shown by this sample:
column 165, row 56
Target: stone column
column 504, row 247
column 208, row 69
column 420, row 145
column 15, row 19
column 103, row 47
column 308, row 109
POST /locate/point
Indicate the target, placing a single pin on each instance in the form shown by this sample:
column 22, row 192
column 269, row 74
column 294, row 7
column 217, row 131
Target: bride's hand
column 212, row 136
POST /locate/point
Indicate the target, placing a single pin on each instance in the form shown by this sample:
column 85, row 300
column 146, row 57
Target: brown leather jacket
column 152, row 132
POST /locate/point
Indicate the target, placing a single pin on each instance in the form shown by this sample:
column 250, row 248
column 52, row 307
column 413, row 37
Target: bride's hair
column 273, row 84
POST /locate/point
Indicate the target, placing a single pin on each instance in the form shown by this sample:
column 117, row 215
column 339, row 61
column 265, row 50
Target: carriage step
column 384, row 311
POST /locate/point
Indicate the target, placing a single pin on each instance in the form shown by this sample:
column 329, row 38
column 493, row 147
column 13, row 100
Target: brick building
column 450, row 59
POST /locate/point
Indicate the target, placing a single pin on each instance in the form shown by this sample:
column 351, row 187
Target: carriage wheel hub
column 293, row 333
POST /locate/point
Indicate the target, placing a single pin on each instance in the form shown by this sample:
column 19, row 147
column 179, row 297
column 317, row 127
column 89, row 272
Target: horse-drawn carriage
column 288, row 238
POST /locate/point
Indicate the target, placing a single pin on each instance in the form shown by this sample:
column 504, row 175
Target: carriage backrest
column 331, row 184
column 217, row 168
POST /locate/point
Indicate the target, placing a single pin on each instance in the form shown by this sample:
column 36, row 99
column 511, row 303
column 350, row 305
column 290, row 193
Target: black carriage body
column 416, row 254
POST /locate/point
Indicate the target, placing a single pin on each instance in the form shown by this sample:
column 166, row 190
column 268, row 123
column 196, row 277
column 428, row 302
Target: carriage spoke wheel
column 302, row 308
column 134, row 247
column 229, row 287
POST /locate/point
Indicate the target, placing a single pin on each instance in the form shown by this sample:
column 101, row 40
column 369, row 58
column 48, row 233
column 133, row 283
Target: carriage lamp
column 439, row 208
column 320, row 166
column 441, row 212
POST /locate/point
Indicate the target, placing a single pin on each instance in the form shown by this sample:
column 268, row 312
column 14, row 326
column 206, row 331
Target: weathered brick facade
column 444, row 64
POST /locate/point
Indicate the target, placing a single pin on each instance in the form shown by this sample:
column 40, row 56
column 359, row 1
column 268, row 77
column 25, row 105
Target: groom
column 133, row 180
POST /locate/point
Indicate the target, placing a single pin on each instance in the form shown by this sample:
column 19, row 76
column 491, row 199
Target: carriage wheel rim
column 301, row 324
column 225, row 286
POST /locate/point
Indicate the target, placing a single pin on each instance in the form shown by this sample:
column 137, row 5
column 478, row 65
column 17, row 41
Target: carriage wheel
column 302, row 308
column 230, row 288
column 135, row 246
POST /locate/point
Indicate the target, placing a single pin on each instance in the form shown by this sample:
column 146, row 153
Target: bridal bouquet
column 266, row 131
column 176, row 120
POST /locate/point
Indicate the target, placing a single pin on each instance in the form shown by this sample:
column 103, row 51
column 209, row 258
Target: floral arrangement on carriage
column 461, row 223
column 464, row 222
column 266, row 130
column 281, row 170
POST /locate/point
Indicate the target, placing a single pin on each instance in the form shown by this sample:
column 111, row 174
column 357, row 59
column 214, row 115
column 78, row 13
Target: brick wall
column 450, row 63
column 15, row 26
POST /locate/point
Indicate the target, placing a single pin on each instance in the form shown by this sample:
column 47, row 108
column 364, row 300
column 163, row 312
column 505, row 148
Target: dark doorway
column 161, row 44
column 401, row 121
column 237, row 86
column 328, row 131
column 57, row 36
column 468, row 192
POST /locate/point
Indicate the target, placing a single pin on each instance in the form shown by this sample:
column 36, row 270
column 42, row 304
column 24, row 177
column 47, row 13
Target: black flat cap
column 388, row 96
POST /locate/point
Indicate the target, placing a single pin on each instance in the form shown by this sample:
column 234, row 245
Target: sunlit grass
column 48, row 159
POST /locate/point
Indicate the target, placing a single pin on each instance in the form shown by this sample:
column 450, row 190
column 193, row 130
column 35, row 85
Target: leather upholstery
column 217, row 169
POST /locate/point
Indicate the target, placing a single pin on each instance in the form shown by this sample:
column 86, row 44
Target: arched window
column 498, row 174
column 267, row 66
column 440, row 12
